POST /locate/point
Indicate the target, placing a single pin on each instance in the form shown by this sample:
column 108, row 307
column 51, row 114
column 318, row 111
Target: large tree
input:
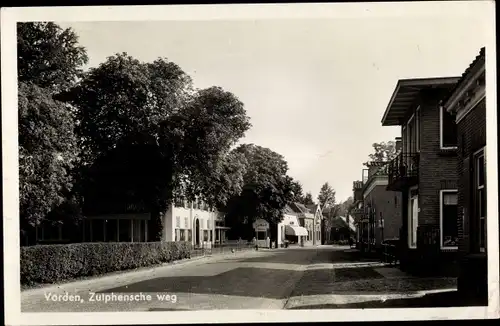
column 308, row 199
column 383, row 152
column 326, row 197
column 266, row 191
column 150, row 138
column 48, row 56
column 49, row 61
column 298, row 194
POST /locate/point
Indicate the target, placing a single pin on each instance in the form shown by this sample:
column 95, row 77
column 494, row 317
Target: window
column 186, row 223
column 480, row 196
column 183, row 235
column 448, row 217
column 211, row 235
column 205, row 235
column 177, row 235
column 448, row 132
column 124, row 228
column 413, row 220
column 177, row 221
column 190, row 235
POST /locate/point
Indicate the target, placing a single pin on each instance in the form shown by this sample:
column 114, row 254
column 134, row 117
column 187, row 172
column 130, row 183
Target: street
column 292, row 278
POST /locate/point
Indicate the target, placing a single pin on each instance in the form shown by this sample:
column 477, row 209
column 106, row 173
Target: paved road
column 292, row 278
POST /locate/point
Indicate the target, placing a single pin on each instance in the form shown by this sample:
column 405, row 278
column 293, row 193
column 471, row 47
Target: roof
column 406, row 93
column 313, row 208
column 341, row 222
column 300, row 208
column 477, row 63
column 288, row 210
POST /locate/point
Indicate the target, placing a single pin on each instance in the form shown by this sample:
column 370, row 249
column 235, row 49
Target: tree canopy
column 266, row 187
column 150, row 138
column 49, row 56
column 383, row 152
column 49, row 60
column 326, row 197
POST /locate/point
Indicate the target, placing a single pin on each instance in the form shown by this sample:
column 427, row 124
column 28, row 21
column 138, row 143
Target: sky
column 315, row 89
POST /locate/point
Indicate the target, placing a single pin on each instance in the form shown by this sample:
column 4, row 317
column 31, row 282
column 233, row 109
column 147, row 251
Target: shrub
column 54, row 263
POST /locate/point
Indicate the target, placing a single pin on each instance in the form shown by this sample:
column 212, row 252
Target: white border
column 441, row 193
column 9, row 16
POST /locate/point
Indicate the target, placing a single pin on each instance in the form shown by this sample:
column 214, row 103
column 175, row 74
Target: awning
column 295, row 230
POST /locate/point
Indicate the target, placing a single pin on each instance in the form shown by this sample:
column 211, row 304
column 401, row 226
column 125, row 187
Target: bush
column 341, row 242
column 55, row 263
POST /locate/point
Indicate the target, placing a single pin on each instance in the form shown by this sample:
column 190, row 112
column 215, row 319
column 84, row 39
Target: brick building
column 467, row 103
column 382, row 207
column 425, row 173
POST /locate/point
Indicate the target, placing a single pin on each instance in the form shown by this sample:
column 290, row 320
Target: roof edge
column 417, row 82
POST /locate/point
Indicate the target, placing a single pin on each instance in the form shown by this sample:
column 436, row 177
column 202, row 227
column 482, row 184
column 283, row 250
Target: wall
column 387, row 203
column 191, row 215
column 437, row 168
column 287, row 220
column 472, row 128
column 472, row 279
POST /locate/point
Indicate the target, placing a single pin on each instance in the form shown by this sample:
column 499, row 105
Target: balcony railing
column 405, row 165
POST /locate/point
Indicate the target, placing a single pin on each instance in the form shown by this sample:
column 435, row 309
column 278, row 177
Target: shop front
column 262, row 232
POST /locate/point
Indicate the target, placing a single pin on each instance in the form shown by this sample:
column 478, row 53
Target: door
column 413, row 222
column 197, row 233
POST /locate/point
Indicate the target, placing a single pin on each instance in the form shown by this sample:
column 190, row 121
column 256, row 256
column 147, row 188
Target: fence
column 227, row 247
column 390, row 253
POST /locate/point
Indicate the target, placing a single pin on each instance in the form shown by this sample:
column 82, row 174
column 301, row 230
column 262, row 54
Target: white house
column 194, row 222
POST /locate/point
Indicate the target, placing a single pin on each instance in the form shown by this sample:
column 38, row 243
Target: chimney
column 399, row 144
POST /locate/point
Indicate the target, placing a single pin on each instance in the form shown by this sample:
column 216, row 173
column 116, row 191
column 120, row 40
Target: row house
column 380, row 206
column 424, row 172
column 467, row 104
column 376, row 210
column 310, row 218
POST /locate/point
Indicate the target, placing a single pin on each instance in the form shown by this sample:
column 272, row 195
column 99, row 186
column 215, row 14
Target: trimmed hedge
column 55, row 263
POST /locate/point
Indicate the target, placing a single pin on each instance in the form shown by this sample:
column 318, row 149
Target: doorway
column 197, row 233
column 413, row 219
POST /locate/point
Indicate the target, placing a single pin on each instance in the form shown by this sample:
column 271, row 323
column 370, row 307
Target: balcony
column 403, row 171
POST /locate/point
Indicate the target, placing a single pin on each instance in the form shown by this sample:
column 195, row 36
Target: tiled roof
column 480, row 56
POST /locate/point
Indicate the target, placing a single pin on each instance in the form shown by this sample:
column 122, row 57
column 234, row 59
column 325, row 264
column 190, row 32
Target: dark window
column 395, row 201
column 205, row 235
column 183, row 235
column 190, row 235
column 211, row 235
column 449, row 216
column 124, row 230
column 448, row 129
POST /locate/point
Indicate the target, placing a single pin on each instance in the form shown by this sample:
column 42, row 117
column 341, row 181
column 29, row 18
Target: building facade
column 381, row 206
column 190, row 221
column 425, row 172
column 467, row 103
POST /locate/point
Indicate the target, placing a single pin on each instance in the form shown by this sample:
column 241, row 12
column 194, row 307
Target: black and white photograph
column 250, row 163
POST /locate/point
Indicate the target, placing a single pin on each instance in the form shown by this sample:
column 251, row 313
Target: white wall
column 190, row 215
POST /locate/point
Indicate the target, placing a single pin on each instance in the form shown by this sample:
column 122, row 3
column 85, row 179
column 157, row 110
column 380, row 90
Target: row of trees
column 131, row 136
